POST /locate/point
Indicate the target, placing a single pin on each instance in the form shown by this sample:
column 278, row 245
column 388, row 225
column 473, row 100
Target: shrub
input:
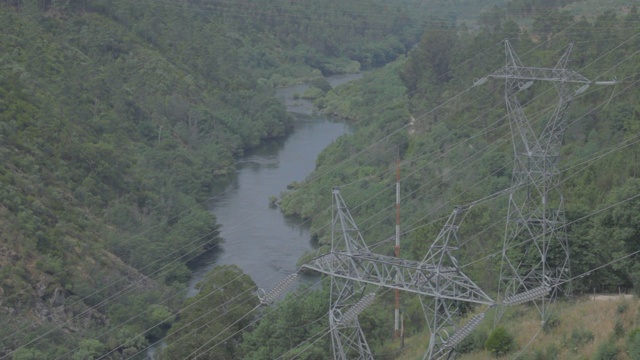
column 321, row 83
column 579, row 337
column 28, row 354
column 552, row 322
column 312, row 93
column 622, row 307
column 553, row 352
column 538, row 354
column 475, row 341
column 606, row 351
column 499, row 342
column 618, row 329
column 88, row 349
column 633, row 344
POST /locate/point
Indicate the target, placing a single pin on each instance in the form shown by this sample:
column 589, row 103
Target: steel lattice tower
column 437, row 279
column 535, row 256
column 536, row 250
column 347, row 338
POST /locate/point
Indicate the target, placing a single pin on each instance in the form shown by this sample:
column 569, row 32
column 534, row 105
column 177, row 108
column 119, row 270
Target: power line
column 113, row 328
column 176, row 216
column 296, row 295
column 160, row 225
column 588, row 161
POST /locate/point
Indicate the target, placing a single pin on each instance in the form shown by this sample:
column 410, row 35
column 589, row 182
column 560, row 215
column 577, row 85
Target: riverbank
column 262, row 241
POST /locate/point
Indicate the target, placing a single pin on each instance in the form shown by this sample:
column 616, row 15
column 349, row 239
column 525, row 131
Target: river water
column 258, row 238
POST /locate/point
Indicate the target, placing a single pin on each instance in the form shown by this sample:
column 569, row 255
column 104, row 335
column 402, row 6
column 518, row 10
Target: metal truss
column 347, row 294
column 536, row 251
column 440, row 309
column 346, row 302
column 412, row 276
column 535, row 256
column 438, row 279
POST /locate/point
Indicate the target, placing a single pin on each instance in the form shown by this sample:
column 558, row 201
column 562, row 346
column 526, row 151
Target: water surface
column 258, row 238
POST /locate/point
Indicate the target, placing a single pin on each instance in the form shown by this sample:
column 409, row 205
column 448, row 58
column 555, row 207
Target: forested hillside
column 454, row 144
column 116, row 118
column 453, row 138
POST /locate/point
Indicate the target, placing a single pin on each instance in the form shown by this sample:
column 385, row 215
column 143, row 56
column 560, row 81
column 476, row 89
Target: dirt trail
column 599, row 297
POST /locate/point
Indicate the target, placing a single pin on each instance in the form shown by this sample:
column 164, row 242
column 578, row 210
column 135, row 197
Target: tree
column 210, row 324
column 89, row 349
column 499, row 342
column 430, row 60
column 284, row 331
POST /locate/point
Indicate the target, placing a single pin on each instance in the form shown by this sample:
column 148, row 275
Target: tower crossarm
column 540, row 74
column 405, row 275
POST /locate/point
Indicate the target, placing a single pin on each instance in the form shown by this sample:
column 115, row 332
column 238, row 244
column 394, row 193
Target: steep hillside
column 453, row 138
column 116, row 118
column 455, row 147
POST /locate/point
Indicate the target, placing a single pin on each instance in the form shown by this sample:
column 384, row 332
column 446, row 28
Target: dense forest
column 426, row 110
column 454, row 144
column 117, row 118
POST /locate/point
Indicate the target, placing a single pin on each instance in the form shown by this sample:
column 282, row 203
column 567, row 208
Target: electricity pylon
column 535, row 251
column 438, row 279
column 347, row 339
column 535, row 256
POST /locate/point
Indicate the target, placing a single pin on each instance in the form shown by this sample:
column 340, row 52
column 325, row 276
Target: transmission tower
column 347, row 294
column 535, row 251
column 535, row 256
column 438, row 280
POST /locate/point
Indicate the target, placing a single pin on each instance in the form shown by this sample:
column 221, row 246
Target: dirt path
column 599, row 297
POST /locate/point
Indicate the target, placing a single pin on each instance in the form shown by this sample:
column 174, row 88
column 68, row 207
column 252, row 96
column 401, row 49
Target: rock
column 41, row 310
column 58, row 314
column 9, row 310
column 58, row 297
column 41, row 289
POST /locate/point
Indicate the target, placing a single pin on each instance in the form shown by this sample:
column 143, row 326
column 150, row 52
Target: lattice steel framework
column 438, row 279
column 347, row 339
column 535, row 256
column 535, row 252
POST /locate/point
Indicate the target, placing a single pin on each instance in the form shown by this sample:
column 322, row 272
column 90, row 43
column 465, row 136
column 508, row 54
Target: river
column 258, row 238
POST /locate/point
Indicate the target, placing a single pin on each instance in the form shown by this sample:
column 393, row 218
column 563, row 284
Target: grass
column 593, row 8
column 582, row 325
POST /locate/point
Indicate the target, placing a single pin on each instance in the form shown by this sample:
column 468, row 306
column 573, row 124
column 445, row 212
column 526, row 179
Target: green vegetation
column 455, row 149
column 585, row 332
column 474, row 342
column 286, row 329
column 116, row 120
column 579, row 337
column 633, row 343
column 211, row 320
column 606, row 351
column 499, row 342
column 454, row 145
